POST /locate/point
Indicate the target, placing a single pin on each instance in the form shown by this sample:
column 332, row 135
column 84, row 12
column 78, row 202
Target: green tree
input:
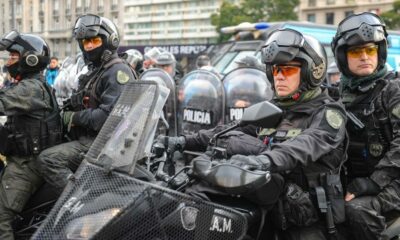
column 253, row 11
column 281, row 10
column 256, row 10
column 228, row 15
column 392, row 17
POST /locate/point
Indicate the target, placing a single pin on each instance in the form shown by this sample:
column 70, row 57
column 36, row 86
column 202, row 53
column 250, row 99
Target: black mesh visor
column 283, row 45
column 87, row 26
column 358, row 29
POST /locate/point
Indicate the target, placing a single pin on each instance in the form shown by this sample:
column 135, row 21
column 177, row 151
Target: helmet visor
column 282, row 46
column 355, row 21
column 8, row 40
column 362, row 28
column 87, row 26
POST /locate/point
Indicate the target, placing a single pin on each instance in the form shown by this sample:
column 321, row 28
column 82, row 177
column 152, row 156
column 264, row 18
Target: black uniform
column 33, row 124
column 98, row 91
column 308, row 145
column 374, row 152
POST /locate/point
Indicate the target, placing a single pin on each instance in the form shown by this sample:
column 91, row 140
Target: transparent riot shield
column 104, row 201
column 200, row 102
column 163, row 78
column 243, row 88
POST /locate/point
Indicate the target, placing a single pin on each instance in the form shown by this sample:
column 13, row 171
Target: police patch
column 375, row 149
column 334, row 118
column 122, row 77
column 396, row 110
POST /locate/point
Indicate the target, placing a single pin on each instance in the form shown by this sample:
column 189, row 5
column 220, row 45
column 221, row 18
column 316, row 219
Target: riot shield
column 163, row 78
column 200, row 101
column 105, row 201
column 243, row 88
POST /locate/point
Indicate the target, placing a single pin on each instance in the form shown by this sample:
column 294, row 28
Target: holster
column 75, row 102
column 4, row 144
column 22, row 145
column 335, row 195
column 295, row 208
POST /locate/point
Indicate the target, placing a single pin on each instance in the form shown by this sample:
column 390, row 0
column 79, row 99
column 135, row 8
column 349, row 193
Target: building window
column 311, row 17
column 56, row 5
column 330, row 17
column 330, row 2
column 311, row 3
column 348, row 13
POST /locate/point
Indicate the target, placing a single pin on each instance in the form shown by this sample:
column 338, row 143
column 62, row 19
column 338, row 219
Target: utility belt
column 20, row 144
column 23, row 144
column 298, row 207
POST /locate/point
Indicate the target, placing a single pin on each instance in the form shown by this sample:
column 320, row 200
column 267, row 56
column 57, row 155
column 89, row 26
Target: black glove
column 259, row 162
column 362, row 187
column 172, row 143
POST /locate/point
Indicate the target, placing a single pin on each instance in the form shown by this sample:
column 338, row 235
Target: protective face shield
column 243, row 88
column 89, row 26
column 164, row 79
column 33, row 50
column 134, row 57
column 356, row 30
column 201, row 102
column 249, row 61
column 285, row 45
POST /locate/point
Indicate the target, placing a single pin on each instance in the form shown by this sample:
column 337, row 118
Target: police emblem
column 334, row 118
column 396, row 110
column 122, row 77
column 375, row 149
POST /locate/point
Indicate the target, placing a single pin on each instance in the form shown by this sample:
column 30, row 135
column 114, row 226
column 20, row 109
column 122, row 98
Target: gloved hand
column 172, row 143
column 259, row 162
column 362, row 187
column 67, row 119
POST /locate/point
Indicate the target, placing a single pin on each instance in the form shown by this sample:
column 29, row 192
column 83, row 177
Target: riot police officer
column 307, row 147
column 135, row 60
column 167, row 62
column 89, row 107
column 33, row 123
column 372, row 99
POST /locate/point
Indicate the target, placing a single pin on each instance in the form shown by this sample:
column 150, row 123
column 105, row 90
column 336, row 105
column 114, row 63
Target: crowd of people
column 342, row 143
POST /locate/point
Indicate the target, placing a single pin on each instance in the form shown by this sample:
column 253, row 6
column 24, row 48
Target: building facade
column 54, row 19
column 159, row 22
column 333, row 11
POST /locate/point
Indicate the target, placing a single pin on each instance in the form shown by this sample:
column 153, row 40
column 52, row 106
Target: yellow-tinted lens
column 95, row 41
column 359, row 51
column 285, row 70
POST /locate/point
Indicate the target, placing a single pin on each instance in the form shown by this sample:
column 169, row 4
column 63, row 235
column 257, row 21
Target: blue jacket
column 51, row 75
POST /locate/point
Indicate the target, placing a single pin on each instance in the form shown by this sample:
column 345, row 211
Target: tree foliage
column 392, row 17
column 253, row 11
column 282, row 10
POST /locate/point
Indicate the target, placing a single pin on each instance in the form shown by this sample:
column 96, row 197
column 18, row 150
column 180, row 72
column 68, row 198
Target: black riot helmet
column 359, row 29
column 33, row 50
column 89, row 26
column 285, row 45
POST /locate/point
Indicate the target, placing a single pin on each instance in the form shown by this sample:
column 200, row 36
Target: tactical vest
column 28, row 135
column 321, row 179
column 306, row 177
column 368, row 144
